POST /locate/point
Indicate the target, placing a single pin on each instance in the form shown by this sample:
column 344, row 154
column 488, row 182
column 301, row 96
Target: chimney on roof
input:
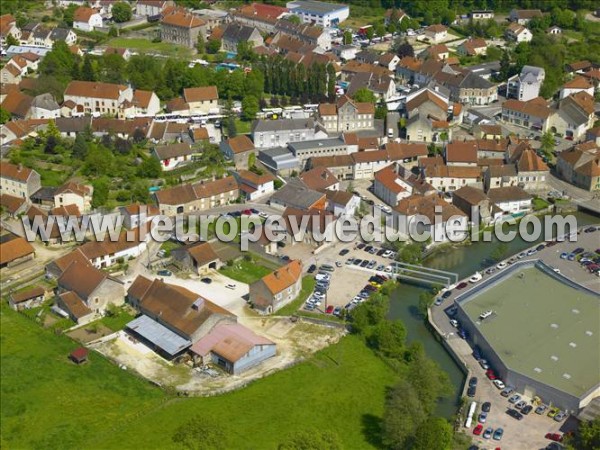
column 276, row 273
column 19, row 167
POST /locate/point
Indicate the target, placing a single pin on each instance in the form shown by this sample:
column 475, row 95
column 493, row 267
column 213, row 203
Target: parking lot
column 526, row 434
column 530, row 432
column 348, row 279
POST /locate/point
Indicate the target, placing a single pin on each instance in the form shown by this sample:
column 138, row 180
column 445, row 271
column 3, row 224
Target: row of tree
column 408, row 420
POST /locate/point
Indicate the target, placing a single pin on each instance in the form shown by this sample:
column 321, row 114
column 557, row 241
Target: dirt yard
column 295, row 341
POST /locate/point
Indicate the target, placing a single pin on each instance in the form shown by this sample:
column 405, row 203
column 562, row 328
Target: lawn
column 118, row 321
column 340, row 389
column 308, row 284
column 245, row 271
column 169, row 246
column 51, row 177
column 48, row 402
column 539, row 203
column 242, row 126
column 145, row 45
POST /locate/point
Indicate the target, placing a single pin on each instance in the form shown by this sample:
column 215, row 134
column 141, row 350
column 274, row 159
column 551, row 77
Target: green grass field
column 147, row 46
column 48, row 402
column 245, row 271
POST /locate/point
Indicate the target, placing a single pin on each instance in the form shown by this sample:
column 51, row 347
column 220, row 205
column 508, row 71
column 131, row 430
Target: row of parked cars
column 587, row 260
column 373, row 285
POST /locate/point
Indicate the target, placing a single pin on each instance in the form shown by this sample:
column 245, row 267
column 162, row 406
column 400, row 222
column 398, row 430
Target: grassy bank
column 48, row 402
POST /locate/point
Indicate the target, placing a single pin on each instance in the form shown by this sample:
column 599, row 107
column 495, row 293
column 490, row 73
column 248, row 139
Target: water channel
column 464, row 260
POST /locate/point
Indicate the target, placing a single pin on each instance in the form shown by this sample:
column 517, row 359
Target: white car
column 322, row 277
column 501, row 265
column 386, row 209
column 387, row 253
column 319, row 295
column 475, row 278
column 499, row 384
column 388, row 269
column 263, row 215
column 454, row 323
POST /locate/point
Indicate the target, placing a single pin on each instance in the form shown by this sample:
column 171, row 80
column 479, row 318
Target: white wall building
column 319, row 13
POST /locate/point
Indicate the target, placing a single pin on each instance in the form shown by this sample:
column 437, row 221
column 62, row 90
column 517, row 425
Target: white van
column 390, row 133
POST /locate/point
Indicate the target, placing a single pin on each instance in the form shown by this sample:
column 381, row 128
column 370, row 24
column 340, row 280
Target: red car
column 478, row 429
column 490, row 374
column 247, row 212
column 462, row 285
column 556, row 437
column 329, row 309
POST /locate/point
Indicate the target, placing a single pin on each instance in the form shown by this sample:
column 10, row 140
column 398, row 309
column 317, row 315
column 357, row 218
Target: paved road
column 392, row 122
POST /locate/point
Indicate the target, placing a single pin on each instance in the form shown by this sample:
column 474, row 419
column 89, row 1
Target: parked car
column 482, row 417
column 556, row 437
column 360, row 245
column 499, row 384
column 164, row 273
column 471, row 391
column 507, row 391
column 564, row 255
column 344, row 251
column 484, row 365
column 498, row 434
column 514, row 399
column 478, row 429
column 514, row 414
column 206, row 280
column 312, row 268
column 541, row 409
column 526, row 409
column 553, row 412
column 337, row 310
column 357, row 262
column 520, row 404
column 329, row 309
column 560, row 416
column 473, row 381
column 490, row 374
column 462, row 285
column 488, row 433
column 486, row 407
column 454, row 323
column 446, row 294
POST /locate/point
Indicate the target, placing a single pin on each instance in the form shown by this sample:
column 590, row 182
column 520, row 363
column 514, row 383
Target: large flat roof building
column 319, row 13
column 545, row 345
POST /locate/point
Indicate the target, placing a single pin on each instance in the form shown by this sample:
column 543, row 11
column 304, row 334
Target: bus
column 472, row 409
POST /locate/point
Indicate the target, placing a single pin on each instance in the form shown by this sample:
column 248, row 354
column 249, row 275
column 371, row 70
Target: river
column 464, row 260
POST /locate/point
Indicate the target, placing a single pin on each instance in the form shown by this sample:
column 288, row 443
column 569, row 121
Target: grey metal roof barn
column 159, row 335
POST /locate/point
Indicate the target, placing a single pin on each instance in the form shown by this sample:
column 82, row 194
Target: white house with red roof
column 87, row 19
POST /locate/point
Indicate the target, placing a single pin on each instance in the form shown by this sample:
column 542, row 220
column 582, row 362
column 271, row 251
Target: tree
column 364, row 95
column 312, row 439
column 200, row 433
column 11, row 40
column 402, row 416
column 121, row 12
column 435, row 433
column 251, row 160
column 200, row 44
column 87, row 71
column 369, row 33
column 249, row 107
column 4, row 116
column 388, row 337
column 214, row 45
column 402, row 48
column 347, row 37
column 231, row 127
column 101, row 191
column 150, row 168
column 80, row 147
column 293, row 19
column 69, row 14
column 429, row 382
column 547, row 144
column 379, row 29
column 504, row 67
column 587, row 437
column 113, row 31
